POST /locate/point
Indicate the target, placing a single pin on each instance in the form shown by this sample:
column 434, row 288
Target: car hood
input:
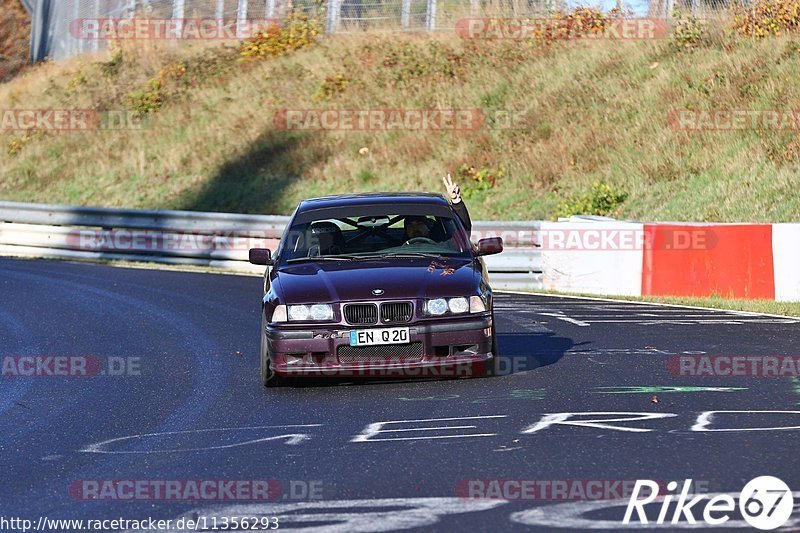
column 326, row 282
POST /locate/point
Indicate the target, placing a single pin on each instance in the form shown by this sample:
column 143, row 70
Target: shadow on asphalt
column 519, row 352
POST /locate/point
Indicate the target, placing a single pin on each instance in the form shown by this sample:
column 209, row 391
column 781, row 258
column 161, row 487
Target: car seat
column 325, row 239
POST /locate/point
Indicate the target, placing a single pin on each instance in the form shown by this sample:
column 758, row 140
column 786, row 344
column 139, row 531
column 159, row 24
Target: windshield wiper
column 412, row 254
column 324, row 258
column 355, row 257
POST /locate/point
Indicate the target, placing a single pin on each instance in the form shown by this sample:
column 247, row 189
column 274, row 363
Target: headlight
column 436, row 307
column 458, row 305
column 440, row 306
column 316, row 312
column 298, row 312
column 321, row 312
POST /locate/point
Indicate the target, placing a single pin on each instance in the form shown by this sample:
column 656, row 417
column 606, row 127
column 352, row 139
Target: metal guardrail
column 61, row 215
column 217, row 240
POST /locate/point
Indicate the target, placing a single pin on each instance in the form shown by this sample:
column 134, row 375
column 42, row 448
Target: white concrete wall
column 592, row 257
column 786, row 260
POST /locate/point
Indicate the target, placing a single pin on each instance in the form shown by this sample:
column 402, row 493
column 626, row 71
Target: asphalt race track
column 176, row 396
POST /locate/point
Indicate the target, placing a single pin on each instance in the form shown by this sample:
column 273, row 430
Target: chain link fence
column 54, row 33
column 56, row 22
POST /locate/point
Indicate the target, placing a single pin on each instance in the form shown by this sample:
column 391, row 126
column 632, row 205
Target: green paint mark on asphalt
column 441, row 398
column 796, row 385
column 516, row 394
column 662, row 389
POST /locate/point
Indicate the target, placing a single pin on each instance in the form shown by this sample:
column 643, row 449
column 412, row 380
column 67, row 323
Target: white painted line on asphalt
column 341, row 516
column 722, row 320
column 375, row 428
column 627, row 311
column 705, row 419
column 584, row 515
column 568, row 419
column 660, row 312
column 430, row 429
column 653, row 315
column 291, row 438
column 585, row 315
column 619, row 351
column 566, row 319
column 634, row 302
column 434, row 437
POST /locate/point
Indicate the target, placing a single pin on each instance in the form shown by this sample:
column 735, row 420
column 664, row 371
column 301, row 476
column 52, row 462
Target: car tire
column 493, row 366
column 268, row 377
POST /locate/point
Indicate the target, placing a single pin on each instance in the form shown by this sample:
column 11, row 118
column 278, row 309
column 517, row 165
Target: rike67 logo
column 765, row 503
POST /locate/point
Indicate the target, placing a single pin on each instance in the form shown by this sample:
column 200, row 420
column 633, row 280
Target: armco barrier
column 218, row 240
column 593, row 255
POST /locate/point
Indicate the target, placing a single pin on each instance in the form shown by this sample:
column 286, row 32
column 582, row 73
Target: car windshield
column 346, row 234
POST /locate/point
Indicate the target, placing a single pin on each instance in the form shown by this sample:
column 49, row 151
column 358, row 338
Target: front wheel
column 493, row 366
column 268, row 377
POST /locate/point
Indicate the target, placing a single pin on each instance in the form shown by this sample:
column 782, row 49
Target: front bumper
column 438, row 348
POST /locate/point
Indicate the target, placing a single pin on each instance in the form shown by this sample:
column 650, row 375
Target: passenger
column 420, row 226
column 454, row 192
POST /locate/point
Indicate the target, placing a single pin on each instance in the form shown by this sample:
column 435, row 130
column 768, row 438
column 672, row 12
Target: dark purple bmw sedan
column 377, row 285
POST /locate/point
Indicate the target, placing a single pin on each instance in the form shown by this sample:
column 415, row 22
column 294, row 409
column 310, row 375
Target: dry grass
column 596, row 111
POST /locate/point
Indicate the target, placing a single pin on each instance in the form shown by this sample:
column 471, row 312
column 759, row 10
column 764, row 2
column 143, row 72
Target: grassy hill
column 596, row 134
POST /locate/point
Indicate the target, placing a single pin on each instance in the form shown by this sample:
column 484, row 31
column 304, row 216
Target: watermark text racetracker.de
column 555, row 239
column 632, row 239
column 734, row 119
column 154, row 29
column 391, row 367
column 573, row 239
column 734, row 365
column 69, row 120
column 527, row 28
column 196, row 490
column 555, row 489
column 401, row 119
column 44, row 366
column 198, row 240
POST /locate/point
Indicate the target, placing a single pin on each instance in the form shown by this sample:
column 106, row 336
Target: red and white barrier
column 731, row 260
column 751, row 261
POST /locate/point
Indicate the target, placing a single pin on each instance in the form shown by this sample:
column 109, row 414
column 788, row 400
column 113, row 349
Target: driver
column 417, row 226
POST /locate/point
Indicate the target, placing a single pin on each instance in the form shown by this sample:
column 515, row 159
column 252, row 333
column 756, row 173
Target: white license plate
column 376, row 337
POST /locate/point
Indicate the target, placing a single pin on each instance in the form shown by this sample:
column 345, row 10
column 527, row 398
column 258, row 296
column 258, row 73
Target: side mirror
column 261, row 256
column 490, row 246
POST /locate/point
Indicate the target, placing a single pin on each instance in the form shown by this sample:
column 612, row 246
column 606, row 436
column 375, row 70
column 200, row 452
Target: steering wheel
column 419, row 240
